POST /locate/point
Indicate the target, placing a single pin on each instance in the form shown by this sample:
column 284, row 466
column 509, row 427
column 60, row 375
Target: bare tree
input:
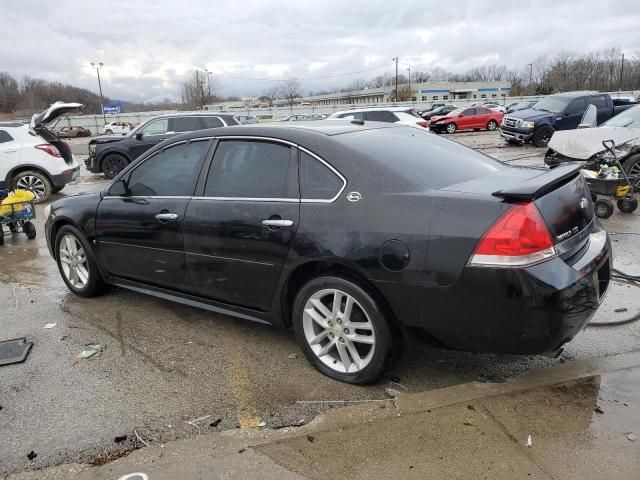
column 9, row 93
column 290, row 90
column 269, row 95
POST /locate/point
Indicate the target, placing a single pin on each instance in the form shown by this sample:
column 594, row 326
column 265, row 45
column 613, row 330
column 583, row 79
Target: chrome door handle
column 163, row 217
column 11, row 150
column 277, row 223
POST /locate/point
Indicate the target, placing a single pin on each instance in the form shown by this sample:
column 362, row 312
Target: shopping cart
column 16, row 212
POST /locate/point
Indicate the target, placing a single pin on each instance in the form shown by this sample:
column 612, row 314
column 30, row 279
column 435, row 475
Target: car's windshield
column 457, row 111
column 552, row 104
column 628, row 118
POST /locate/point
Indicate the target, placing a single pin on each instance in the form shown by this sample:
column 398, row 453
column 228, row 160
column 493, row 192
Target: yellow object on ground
column 11, row 203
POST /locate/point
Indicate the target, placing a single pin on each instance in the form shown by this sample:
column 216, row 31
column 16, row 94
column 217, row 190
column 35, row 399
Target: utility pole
column 621, row 71
column 98, row 66
column 410, row 92
column 395, row 98
column 530, row 73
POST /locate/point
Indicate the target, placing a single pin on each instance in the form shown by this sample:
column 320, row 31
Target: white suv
column 117, row 128
column 33, row 158
column 398, row 115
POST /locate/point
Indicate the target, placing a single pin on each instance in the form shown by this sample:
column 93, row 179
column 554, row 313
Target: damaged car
column 585, row 144
column 350, row 233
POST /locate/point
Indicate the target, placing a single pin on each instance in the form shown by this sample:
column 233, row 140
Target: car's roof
column 194, row 114
column 377, row 109
column 580, row 93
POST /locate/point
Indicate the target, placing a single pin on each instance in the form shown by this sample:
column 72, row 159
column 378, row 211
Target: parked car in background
column 561, row 111
column 111, row 154
column 495, row 106
column 318, row 116
column 294, row 118
column 466, row 118
column 246, row 119
column 445, row 109
column 264, row 117
column 34, row 158
column 351, row 234
column 397, row 115
column 72, row 132
column 514, row 107
column 585, row 144
column 117, row 128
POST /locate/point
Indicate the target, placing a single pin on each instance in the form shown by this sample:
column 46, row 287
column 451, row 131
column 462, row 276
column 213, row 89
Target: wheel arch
column 100, row 158
column 25, row 168
column 326, row 267
column 55, row 228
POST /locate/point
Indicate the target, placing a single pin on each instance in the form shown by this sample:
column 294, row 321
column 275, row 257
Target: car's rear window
column 423, row 157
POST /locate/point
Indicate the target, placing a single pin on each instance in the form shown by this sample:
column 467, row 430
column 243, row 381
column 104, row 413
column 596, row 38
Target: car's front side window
column 252, row 169
column 157, row 127
column 171, row 172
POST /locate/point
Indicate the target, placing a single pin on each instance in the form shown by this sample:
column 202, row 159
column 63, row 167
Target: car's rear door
column 238, row 230
column 10, row 149
column 139, row 234
column 481, row 118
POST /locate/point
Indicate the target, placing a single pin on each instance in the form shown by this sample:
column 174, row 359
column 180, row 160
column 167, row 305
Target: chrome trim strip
column 248, row 199
column 266, row 264
column 106, row 242
column 138, row 197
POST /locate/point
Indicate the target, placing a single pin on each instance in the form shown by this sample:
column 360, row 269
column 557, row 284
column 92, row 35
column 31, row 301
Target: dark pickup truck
column 562, row 111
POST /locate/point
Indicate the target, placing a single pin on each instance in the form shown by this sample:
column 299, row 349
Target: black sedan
column 350, row 233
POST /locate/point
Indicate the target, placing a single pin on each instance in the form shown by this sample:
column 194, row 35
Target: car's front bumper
column 516, row 134
column 533, row 310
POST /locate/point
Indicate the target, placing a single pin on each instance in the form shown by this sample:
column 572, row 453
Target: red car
column 466, row 118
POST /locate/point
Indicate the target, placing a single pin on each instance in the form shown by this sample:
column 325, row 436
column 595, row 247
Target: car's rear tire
column 77, row 263
column 542, row 136
column 492, row 125
column 603, row 208
column 109, row 132
column 113, row 164
column 627, row 205
column 632, row 167
column 342, row 330
column 34, row 181
column 451, row 127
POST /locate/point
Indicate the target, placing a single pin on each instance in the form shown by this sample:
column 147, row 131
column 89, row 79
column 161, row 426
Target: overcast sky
column 148, row 47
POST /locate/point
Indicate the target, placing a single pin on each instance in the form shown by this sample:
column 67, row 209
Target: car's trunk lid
column 40, row 121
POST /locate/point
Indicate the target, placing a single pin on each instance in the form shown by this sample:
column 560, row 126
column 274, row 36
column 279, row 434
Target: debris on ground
column 242, row 450
column 396, row 384
column 140, row 438
column 196, row 421
column 120, row 438
column 262, row 424
column 632, row 437
column 621, row 309
column 311, row 438
column 31, row 455
column 529, row 441
column 293, row 356
column 50, row 325
column 599, row 409
column 91, row 350
column 215, row 423
column 14, row 351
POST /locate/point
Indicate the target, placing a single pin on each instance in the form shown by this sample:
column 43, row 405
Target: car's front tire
column 542, row 136
column 451, row 127
column 492, row 125
column 77, row 263
column 34, row 181
column 113, row 164
column 342, row 330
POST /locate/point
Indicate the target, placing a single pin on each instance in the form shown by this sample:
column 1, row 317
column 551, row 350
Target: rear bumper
column 65, row 177
column 516, row 134
column 534, row 310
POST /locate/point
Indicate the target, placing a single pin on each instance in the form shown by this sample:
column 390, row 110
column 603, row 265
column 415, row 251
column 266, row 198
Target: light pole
column 530, row 73
column 98, row 66
column 410, row 92
column 621, row 71
column 395, row 59
column 208, row 84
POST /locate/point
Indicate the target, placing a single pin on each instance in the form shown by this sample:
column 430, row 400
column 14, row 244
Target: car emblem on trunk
column 354, row 196
column 584, row 203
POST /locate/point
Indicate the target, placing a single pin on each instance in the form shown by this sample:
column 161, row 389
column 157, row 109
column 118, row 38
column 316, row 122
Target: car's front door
column 237, row 233
column 148, row 136
column 139, row 233
column 481, row 118
column 570, row 118
column 466, row 120
column 10, row 150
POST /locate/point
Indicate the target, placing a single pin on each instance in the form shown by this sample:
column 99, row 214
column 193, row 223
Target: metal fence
column 96, row 123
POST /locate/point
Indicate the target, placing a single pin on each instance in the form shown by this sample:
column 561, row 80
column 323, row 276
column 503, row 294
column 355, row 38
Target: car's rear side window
column 172, row 172
column 5, row 137
column 185, row 124
column 422, row 157
column 317, row 181
column 598, row 100
column 212, row 122
column 252, row 169
column 381, row 116
column 481, row 111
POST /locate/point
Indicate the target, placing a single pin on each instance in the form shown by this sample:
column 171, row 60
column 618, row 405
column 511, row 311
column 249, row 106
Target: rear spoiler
column 539, row 185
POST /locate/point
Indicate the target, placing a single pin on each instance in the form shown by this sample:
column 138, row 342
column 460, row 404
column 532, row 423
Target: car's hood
column 530, row 114
column 584, row 143
column 108, row 138
column 40, row 120
column 435, row 118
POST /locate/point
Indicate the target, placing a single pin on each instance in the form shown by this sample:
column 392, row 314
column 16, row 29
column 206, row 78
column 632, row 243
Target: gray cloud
column 148, row 47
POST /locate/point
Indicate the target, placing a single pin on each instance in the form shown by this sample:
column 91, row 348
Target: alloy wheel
column 634, row 171
column 33, row 184
column 451, row 128
column 113, row 165
column 73, row 261
column 339, row 331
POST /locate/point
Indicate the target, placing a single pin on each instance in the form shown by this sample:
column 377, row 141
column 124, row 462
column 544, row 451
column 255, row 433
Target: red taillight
column 423, row 124
column 50, row 149
column 519, row 237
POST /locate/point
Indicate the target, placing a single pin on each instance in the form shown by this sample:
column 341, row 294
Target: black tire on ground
column 603, row 208
column 627, row 205
column 492, row 125
column 542, row 136
column 35, row 181
column 95, row 284
column 29, row 230
column 511, row 141
column 451, row 127
column 384, row 340
column 632, row 167
column 113, row 164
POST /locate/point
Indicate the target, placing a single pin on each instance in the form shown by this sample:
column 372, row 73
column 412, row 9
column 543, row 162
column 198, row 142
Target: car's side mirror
column 118, row 188
column 139, row 136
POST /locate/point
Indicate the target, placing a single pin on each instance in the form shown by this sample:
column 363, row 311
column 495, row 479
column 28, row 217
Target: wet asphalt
column 163, row 364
